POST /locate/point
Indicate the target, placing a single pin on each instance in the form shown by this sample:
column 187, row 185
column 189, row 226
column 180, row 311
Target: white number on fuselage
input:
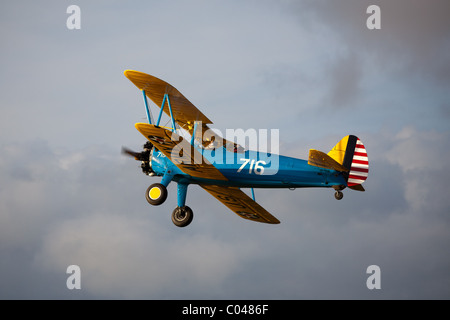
column 255, row 167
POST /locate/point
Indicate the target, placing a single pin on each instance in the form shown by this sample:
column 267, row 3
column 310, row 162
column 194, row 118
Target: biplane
column 183, row 154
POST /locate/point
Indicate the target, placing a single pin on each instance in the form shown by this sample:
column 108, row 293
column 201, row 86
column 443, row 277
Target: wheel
column 182, row 217
column 338, row 195
column 156, row 194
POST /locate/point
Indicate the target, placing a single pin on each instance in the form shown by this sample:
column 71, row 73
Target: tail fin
column 351, row 153
column 348, row 155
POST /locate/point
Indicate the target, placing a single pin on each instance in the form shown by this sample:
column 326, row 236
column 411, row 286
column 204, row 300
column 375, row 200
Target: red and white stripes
column 359, row 169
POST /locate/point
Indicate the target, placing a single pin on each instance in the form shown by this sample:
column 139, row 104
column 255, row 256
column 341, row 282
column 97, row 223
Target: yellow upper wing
column 184, row 112
column 240, row 203
column 180, row 152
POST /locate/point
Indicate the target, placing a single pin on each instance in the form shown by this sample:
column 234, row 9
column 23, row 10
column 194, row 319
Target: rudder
column 351, row 153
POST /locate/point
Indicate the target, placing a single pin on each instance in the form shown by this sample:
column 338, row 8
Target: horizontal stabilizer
column 322, row 160
column 357, row 187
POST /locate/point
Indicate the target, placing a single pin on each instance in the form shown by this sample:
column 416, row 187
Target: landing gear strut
column 156, row 194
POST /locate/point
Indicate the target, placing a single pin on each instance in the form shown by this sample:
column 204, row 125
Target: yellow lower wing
column 180, row 152
column 240, row 203
column 191, row 162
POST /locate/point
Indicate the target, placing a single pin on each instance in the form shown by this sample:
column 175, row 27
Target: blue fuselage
column 251, row 169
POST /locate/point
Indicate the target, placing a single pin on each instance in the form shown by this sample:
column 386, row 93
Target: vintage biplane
column 186, row 161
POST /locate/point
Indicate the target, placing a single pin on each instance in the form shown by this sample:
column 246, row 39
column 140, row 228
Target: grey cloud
column 409, row 49
column 345, row 78
column 93, row 213
column 413, row 35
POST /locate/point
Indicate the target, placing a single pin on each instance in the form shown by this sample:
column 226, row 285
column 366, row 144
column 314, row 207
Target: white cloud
column 415, row 150
column 129, row 257
column 421, row 157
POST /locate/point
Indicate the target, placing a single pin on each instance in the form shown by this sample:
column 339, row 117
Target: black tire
column 182, row 217
column 338, row 195
column 156, row 194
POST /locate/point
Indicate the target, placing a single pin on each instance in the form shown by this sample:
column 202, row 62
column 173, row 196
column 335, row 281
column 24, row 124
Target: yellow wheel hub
column 154, row 193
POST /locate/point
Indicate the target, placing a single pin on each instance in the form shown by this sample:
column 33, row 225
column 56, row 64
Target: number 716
column 255, row 166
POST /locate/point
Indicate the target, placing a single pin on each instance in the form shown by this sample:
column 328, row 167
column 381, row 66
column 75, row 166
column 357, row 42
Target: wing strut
column 147, row 109
column 194, row 132
column 166, row 98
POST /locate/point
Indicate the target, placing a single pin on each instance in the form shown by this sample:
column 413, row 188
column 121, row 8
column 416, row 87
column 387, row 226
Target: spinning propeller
column 136, row 155
column 143, row 156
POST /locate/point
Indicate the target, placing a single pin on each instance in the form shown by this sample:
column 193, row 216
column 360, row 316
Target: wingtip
column 127, row 73
column 140, row 126
column 276, row 221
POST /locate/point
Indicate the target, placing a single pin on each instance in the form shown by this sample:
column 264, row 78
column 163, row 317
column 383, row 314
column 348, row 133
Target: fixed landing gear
column 338, row 195
column 182, row 216
column 156, row 194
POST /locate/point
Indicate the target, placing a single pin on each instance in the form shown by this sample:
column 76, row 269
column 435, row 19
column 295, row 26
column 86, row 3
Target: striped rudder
column 359, row 167
column 351, row 153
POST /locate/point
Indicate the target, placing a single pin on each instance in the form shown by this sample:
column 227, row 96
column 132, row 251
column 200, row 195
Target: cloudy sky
column 311, row 69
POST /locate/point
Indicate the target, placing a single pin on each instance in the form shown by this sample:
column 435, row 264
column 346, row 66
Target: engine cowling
column 144, row 157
